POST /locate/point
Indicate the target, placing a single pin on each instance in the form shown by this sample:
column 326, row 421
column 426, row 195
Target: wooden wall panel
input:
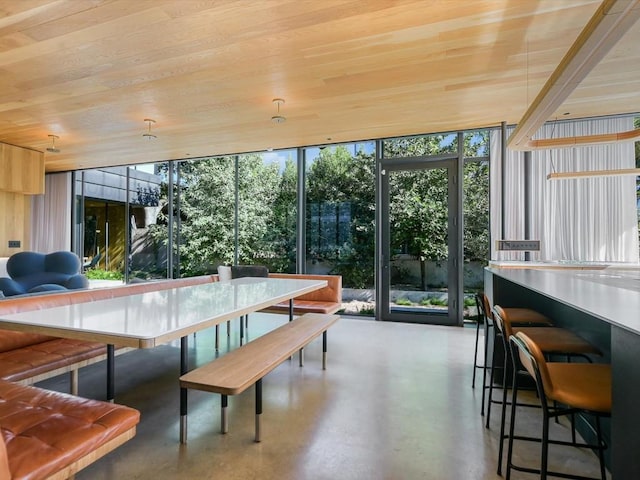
column 15, row 221
column 22, row 170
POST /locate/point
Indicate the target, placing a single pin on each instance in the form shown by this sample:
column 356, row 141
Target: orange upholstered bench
column 53, row 435
column 325, row 300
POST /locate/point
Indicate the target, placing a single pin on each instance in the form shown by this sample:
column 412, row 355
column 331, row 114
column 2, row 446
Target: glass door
column 418, row 265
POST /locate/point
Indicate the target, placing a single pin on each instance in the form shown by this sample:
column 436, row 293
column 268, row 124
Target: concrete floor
column 394, row 403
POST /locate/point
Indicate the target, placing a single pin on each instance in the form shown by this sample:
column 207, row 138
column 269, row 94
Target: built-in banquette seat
column 324, row 300
column 53, row 435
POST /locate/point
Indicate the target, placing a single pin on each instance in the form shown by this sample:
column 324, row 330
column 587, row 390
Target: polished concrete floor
column 394, row 403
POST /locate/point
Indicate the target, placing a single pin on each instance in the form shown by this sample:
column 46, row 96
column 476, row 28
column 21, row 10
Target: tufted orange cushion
column 36, row 359
column 46, row 431
column 5, row 473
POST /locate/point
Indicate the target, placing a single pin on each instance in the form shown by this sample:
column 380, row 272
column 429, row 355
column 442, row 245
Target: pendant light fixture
column 53, row 148
column 278, row 118
column 148, row 135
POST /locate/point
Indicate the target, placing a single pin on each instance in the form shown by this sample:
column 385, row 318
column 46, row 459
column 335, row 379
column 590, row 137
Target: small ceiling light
column 149, row 135
column 53, row 148
column 278, row 118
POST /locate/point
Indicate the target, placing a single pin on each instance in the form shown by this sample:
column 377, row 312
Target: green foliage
column 469, row 302
column 207, row 227
column 342, row 185
column 99, row 274
column 436, row 301
column 475, row 210
column 403, row 301
column 420, row 199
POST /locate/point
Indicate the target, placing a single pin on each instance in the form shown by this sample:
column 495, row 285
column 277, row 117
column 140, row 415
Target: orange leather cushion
column 46, row 431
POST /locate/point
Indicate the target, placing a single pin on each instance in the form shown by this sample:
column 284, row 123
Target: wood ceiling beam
column 607, row 26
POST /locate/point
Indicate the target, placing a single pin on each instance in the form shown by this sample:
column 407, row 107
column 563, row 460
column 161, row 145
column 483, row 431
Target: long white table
column 150, row 319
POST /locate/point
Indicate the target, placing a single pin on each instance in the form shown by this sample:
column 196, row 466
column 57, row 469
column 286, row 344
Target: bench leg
column 241, row 329
column 258, row 408
column 228, row 328
column 291, row 316
column 324, row 350
column 217, row 337
column 301, row 356
column 224, row 418
column 184, row 368
column 73, row 381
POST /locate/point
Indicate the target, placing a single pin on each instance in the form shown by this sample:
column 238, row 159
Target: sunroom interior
column 392, row 143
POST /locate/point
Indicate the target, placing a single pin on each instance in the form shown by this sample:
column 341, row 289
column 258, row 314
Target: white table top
column 153, row 318
column 610, row 294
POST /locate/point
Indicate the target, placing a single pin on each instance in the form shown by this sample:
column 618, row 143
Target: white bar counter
column 602, row 304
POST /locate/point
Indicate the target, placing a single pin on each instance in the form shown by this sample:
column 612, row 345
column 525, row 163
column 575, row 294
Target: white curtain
column 51, row 215
column 589, row 219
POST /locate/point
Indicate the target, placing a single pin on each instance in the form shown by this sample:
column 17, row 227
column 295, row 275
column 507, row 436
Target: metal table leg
column 184, row 368
column 111, row 369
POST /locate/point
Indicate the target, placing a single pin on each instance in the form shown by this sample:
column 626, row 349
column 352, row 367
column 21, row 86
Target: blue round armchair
column 33, row 272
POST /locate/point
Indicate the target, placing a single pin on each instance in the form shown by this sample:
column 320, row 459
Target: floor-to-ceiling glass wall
column 185, row 218
column 340, row 219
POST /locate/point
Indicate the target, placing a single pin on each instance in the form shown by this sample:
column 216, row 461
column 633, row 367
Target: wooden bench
column 239, row 369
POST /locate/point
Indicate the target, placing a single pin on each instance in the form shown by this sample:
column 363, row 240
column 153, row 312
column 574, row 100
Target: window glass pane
column 476, row 230
column 206, row 221
column 267, row 210
column 148, row 212
column 103, row 243
column 421, row 146
column 476, row 144
column 340, row 236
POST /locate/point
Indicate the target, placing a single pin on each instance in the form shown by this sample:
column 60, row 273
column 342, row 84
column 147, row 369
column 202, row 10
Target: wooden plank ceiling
column 91, row 71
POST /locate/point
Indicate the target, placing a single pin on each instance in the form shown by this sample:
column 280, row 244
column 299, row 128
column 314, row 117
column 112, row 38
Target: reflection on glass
column 148, row 221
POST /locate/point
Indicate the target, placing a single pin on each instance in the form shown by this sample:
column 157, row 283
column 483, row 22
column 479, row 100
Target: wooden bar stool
column 520, row 316
column 550, row 340
column 572, row 387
